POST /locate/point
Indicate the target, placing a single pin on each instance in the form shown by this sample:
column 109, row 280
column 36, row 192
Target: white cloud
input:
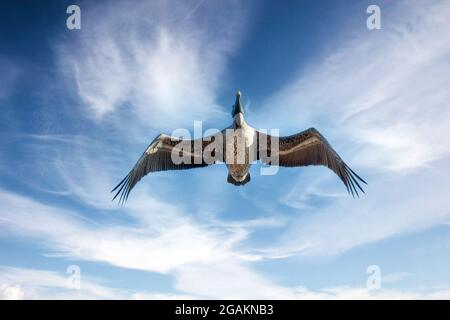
column 383, row 93
column 164, row 242
column 21, row 283
column 393, row 205
column 395, row 277
column 162, row 61
column 200, row 257
column 122, row 63
column 204, row 263
column 11, row 292
column 381, row 99
column 236, row 280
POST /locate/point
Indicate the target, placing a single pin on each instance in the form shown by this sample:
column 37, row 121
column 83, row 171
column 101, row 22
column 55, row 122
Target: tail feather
column 231, row 180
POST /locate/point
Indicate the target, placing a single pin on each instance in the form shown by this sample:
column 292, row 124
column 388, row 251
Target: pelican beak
column 237, row 107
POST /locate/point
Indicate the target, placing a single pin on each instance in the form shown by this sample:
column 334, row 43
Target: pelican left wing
column 158, row 157
column 310, row 148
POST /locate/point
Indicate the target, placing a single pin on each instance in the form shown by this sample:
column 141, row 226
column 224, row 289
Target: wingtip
column 353, row 182
column 122, row 190
column 356, row 175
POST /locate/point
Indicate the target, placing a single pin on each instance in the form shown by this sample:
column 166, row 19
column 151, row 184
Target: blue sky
column 78, row 107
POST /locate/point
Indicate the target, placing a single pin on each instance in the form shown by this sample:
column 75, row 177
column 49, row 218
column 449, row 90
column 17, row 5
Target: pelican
column 306, row 148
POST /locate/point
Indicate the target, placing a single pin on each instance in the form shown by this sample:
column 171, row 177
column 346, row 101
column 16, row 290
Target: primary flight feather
column 238, row 141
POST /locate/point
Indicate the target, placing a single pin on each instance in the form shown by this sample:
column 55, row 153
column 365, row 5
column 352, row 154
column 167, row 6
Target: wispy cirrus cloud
column 162, row 61
column 163, row 242
column 393, row 205
column 383, row 92
column 166, row 67
column 25, row 283
column 382, row 100
column 160, row 242
column 204, row 261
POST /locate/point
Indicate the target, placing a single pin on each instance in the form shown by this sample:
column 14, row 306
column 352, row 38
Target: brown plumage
column 307, row 148
column 302, row 149
column 157, row 157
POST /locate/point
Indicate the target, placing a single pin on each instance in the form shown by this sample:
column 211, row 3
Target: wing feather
column 158, row 157
column 311, row 148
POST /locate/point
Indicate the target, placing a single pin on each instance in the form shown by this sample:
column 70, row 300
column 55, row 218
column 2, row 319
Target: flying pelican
column 306, row 148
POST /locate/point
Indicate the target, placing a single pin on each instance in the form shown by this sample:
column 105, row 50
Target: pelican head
column 237, row 107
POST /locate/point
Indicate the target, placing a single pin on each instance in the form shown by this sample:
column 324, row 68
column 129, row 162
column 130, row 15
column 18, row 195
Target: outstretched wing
column 158, row 157
column 310, row 148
